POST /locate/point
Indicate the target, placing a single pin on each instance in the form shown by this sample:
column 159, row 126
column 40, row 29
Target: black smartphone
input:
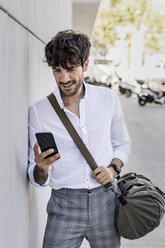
column 46, row 141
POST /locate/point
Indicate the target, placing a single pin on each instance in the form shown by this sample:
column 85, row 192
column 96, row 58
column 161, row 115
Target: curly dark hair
column 67, row 48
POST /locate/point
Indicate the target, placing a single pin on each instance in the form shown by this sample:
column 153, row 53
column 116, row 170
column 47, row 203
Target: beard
column 73, row 91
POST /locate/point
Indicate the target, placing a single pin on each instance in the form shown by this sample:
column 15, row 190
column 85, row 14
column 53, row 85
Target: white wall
column 24, row 80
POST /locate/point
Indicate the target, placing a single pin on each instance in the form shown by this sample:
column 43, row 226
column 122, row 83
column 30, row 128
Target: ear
column 85, row 66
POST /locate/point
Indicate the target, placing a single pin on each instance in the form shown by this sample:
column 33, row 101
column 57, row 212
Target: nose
column 64, row 77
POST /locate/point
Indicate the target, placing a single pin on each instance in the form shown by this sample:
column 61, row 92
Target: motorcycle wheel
column 128, row 92
column 122, row 91
column 142, row 102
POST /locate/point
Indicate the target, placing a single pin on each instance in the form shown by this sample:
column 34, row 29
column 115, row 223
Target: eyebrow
column 72, row 67
column 55, row 68
column 69, row 68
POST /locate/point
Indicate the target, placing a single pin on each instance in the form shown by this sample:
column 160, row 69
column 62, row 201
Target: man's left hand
column 104, row 175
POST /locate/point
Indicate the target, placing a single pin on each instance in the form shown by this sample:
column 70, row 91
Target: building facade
column 25, row 28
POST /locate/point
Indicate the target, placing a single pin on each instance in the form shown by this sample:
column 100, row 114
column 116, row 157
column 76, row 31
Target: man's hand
column 43, row 164
column 104, row 175
column 41, row 161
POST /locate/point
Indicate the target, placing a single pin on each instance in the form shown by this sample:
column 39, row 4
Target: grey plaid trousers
column 74, row 214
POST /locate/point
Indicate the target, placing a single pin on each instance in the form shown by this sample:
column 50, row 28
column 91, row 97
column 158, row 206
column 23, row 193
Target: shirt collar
column 57, row 94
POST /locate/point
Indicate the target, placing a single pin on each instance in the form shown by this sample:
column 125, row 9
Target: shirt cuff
column 120, row 155
column 30, row 173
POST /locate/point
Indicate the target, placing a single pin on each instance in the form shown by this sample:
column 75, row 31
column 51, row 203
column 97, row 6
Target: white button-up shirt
column 101, row 127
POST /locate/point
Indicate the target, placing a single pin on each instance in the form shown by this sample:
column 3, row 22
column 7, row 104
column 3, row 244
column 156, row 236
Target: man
column 80, row 206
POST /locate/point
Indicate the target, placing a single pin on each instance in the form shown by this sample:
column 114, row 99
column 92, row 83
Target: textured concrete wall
column 24, row 80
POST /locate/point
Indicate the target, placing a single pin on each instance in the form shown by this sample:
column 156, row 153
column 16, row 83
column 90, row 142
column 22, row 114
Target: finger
column 96, row 171
column 99, row 169
column 106, row 181
column 93, row 175
column 46, row 153
column 48, row 161
column 100, row 175
column 52, row 159
column 102, row 179
column 35, row 149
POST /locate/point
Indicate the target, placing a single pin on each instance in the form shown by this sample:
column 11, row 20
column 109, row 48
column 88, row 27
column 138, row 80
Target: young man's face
column 69, row 81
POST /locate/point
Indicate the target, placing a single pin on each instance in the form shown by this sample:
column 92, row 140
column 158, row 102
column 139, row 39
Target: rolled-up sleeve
column 34, row 127
column 120, row 139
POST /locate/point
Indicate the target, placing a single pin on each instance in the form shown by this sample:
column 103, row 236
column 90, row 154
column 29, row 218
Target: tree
column 154, row 35
column 114, row 16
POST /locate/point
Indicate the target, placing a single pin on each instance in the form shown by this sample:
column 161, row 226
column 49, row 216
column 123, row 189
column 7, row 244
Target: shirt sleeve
column 119, row 135
column 34, row 127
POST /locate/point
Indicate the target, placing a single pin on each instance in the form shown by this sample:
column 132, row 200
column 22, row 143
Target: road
column 146, row 126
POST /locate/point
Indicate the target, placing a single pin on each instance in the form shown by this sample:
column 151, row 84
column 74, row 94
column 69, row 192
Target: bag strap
column 79, row 143
column 75, row 136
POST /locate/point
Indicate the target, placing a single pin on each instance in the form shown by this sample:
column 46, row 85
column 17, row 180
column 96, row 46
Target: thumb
column 93, row 175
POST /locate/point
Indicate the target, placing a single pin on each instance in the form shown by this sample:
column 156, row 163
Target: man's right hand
column 43, row 164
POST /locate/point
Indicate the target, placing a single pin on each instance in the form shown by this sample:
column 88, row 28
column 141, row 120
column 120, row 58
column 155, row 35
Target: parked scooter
column 129, row 88
column 124, row 90
column 149, row 96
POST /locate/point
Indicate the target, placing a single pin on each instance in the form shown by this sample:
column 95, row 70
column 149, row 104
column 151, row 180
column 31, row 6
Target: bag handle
column 75, row 136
